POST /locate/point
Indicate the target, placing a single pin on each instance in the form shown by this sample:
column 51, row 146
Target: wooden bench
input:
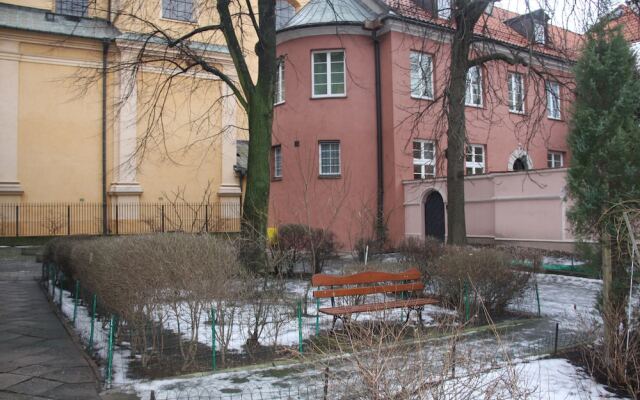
column 407, row 285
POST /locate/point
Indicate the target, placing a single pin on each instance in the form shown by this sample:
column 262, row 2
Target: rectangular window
column 516, row 93
column 277, row 161
column 553, row 100
column 328, row 73
column 330, row 158
column 555, row 159
column 279, row 92
column 444, row 9
column 539, row 33
column 424, row 159
column 421, row 75
column 475, row 159
column 181, row 10
column 474, row 87
column 77, row 8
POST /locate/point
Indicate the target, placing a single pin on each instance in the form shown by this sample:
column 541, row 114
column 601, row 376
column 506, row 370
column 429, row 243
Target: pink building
column 359, row 123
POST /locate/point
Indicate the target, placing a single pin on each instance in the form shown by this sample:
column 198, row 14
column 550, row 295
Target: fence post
column 317, row 316
column 17, row 221
column 75, row 303
column 466, row 301
column 68, row 220
column 162, row 217
column 206, row 218
column 60, row 295
column 213, row 338
column 110, row 351
column 555, row 344
column 538, row 300
column 93, row 320
column 53, row 286
column 300, row 326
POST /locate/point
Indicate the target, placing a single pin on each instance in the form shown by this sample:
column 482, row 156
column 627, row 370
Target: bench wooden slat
column 345, row 310
column 359, row 291
column 365, row 277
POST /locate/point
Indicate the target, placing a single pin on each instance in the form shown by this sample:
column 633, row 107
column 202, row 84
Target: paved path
column 38, row 359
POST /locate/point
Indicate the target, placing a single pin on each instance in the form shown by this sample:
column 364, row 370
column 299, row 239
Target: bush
column 487, row 274
column 148, row 280
column 303, row 243
column 421, row 253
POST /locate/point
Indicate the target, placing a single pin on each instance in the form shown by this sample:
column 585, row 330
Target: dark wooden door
column 434, row 216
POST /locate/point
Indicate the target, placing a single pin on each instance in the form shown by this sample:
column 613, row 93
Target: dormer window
column 539, row 33
column 444, row 9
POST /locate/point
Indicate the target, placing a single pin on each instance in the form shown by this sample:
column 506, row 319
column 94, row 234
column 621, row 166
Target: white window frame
column 515, row 88
column 421, row 65
column 444, row 9
column 422, row 161
column 473, row 88
column 330, row 174
column 277, row 161
column 554, row 100
column 475, row 166
column 329, row 72
column 539, row 32
column 554, row 157
column 193, row 18
column 278, row 97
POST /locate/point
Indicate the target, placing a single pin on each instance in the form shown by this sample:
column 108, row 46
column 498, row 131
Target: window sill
column 554, row 118
column 474, row 105
column 180, row 21
column 329, row 176
column 521, row 113
column 278, row 104
column 337, row 96
column 421, row 98
column 276, row 178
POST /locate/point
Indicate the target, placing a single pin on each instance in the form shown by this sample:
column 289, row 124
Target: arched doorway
column 520, row 164
column 434, row 216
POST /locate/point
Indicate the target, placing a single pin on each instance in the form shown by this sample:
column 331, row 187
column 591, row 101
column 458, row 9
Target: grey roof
column 320, row 12
column 36, row 20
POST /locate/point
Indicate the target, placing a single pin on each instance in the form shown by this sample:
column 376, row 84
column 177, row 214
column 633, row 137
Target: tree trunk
column 607, row 292
column 456, row 226
column 256, row 202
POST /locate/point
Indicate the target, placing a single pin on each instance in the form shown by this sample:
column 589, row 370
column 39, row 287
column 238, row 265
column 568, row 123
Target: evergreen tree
column 605, row 129
column 605, row 160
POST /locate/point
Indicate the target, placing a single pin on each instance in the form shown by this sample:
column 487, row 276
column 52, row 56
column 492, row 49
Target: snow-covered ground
column 569, row 301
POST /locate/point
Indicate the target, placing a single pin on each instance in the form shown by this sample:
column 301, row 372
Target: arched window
column 284, row 12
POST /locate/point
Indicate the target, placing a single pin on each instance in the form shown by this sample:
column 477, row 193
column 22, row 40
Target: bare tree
column 178, row 51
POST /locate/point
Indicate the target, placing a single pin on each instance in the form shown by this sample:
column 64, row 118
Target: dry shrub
column 153, row 280
column 485, row 274
column 378, row 362
column 298, row 242
column 421, row 252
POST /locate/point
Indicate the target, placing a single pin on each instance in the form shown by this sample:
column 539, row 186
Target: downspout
column 105, row 54
column 380, row 225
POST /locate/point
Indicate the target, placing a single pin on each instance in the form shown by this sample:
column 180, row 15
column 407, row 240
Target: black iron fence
column 58, row 219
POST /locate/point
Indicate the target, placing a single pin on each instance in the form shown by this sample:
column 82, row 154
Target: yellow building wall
column 183, row 159
column 59, row 127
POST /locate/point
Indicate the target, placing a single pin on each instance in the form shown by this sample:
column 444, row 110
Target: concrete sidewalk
column 38, row 358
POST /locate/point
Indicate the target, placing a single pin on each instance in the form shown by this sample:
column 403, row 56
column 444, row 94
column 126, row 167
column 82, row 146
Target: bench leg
column 333, row 324
column 406, row 320
column 420, row 316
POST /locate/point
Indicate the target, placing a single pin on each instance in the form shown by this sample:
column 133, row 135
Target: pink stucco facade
column 347, row 204
column 523, row 208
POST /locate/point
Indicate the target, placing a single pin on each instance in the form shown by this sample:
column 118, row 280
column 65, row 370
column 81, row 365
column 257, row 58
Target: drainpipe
column 105, row 53
column 380, row 227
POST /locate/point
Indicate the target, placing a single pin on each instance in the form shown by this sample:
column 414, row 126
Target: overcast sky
column 572, row 14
